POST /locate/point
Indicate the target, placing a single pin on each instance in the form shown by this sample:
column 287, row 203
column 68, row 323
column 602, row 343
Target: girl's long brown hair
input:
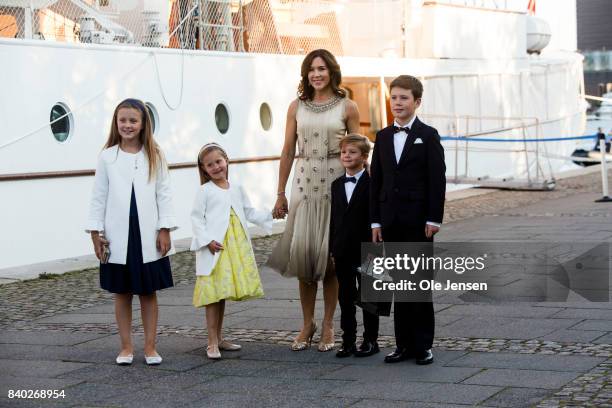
column 207, row 148
column 151, row 148
column 305, row 90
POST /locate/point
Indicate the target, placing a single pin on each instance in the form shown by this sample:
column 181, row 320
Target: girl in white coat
column 131, row 204
column 225, row 262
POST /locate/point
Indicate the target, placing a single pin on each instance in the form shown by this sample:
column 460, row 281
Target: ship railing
column 526, row 134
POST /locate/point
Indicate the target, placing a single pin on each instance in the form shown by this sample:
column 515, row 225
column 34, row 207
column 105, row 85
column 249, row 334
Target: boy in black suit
column 350, row 227
column 407, row 204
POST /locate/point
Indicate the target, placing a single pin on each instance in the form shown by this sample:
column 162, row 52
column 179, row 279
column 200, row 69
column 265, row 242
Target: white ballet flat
column 124, row 360
column 153, row 360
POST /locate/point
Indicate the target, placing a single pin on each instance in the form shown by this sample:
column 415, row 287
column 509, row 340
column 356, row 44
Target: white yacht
column 226, row 71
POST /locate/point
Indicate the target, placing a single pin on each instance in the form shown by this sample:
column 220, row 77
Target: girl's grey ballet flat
column 124, row 360
column 153, row 360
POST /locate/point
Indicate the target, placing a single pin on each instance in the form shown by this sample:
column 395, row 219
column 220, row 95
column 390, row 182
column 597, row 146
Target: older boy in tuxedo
column 349, row 227
column 407, row 204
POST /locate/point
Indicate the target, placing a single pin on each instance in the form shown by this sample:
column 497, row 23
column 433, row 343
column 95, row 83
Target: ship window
column 265, row 116
column 153, row 115
column 61, row 128
column 222, row 118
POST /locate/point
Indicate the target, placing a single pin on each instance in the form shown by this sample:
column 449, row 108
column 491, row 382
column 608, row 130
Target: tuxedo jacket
column 350, row 223
column 411, row 192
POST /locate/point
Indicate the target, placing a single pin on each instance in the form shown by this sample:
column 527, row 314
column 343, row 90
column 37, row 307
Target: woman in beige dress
column 316, row 120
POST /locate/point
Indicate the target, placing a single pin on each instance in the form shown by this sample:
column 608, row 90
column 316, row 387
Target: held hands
column 163, row 241
column 281, row 208
column 214, row 246
column 99, row 243
column 431, row 230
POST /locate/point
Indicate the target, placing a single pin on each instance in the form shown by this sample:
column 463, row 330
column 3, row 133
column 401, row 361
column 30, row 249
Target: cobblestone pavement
column 572, row 359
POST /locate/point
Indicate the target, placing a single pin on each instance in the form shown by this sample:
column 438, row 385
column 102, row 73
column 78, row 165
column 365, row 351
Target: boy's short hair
column 362, row 142
column 410, row 83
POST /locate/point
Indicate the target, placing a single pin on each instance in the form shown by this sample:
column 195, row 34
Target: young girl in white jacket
column 225, row 262
column 132, row 204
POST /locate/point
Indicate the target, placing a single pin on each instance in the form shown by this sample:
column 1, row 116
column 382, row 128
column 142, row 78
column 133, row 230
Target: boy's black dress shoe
column 367, row 348
column 400, row 354
column 346, row 350
column 425, row 357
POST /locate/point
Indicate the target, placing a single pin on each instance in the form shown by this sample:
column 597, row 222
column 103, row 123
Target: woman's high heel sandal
column 303, row 345
column 323, row 347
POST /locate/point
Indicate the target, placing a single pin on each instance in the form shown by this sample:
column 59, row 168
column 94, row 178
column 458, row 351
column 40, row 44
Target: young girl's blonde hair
column 150, row 146
column 207, row 148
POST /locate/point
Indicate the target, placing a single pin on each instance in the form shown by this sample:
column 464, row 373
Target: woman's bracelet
column 280, row 193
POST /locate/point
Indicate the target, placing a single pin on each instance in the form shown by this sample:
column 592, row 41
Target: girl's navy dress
column 135, row 276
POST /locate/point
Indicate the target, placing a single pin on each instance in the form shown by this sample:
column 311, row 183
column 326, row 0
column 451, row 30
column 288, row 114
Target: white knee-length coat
column 210, row 220
column 109, row 210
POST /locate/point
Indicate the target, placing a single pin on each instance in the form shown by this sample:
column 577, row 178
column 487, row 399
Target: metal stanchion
column 604, row 173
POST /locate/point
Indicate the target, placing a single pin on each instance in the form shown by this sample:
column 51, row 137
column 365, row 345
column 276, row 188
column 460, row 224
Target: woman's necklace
column 322, row 107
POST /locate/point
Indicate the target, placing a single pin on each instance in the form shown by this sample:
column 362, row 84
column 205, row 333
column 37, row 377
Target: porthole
column 265, row 116
column 222, row 118
column 153, row 115
column 61, row 122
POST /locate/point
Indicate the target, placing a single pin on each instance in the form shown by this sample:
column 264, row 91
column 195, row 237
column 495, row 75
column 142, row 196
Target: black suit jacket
column 412, row 191
column 350, row 223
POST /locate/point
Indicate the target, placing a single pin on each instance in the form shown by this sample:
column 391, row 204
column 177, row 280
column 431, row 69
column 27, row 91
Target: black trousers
column 348, row 281
column 414, row 322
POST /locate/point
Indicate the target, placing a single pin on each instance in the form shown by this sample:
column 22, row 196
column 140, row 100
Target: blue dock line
column 545, row 139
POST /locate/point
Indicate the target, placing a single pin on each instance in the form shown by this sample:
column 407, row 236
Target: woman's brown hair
column 150, row 146
column 206, row 149
column 305, row 90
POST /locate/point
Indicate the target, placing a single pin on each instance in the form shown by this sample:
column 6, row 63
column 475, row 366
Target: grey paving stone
column 517, row 397
column 574, row 313
column 522, row 378
column 84, row 318
column 236, row 367
column 572, row 336
column 168, row 398
column 600, row 325
column 527, row 361
column 261, row 400
column 407, row 372
column 51, row 338
column 39, row 369
column 53, row 353
column 606, row 339
column 506, row 310
column 301, row 371
column 418, row 391
column 178, row 381
column 377, row 403
column 135, row 374
column 504, row 327
column 280, row 386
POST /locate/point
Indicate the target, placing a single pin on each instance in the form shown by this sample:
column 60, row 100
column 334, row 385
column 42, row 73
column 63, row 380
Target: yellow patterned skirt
column 235, row 276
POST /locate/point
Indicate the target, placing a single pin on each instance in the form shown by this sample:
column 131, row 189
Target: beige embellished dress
column 303, row 250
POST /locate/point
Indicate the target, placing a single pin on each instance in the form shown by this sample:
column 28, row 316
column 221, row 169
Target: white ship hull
column 43, row 218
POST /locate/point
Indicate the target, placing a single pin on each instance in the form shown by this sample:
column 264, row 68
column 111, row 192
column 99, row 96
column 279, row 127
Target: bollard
column 604, row 173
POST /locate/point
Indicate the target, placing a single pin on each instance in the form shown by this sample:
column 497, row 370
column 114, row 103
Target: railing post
column 604, row 173
column 467, row 134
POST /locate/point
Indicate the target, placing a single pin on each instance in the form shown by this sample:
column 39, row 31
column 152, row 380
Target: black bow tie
column 350, row 179
column 399, row 129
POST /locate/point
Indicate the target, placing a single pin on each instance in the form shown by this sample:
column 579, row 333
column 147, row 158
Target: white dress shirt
column 399, row 140
column 349, row 187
